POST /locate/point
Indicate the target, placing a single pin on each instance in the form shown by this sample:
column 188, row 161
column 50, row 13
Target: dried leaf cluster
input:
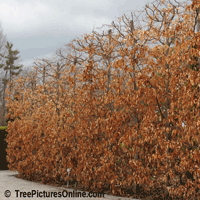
column 119, row 119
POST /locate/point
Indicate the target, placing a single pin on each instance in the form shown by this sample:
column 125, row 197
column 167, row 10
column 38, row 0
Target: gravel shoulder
column 9, row 184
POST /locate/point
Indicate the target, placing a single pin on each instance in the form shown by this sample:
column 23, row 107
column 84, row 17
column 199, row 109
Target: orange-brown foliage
column 113, row 132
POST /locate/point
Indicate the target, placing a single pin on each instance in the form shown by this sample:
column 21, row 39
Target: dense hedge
column 9, row 118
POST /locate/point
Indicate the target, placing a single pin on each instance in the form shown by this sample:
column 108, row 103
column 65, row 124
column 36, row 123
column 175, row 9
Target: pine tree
column 11, row 58
column 10, row 68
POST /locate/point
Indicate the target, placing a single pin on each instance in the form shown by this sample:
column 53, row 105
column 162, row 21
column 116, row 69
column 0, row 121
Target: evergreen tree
column 11, row 58
column 10, row 68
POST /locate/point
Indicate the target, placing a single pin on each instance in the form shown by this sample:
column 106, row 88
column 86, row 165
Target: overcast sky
column 38, row 28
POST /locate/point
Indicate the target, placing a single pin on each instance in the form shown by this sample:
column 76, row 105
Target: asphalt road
column 15, row 188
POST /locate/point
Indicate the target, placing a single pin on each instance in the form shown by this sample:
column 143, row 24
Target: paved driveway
column 9, row 184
